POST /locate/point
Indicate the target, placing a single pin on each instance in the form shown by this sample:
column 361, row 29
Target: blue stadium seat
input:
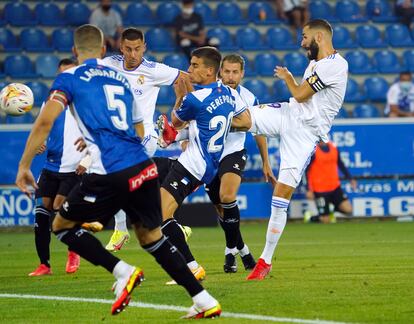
column 19, row 67
column 3, row 84
column 226, row 40
column 150, row 57
column 249, row 39
column 140, row 14
column 62, row 39
column 353, row 92
column 77, row 13
column 166, row 12
column 369, row 36
column 49, row 14
column 387, row 62
column 203, row 9
column 47, row 65
column 229, row 13
column 249, row 70
column 262, row 13
column 265, row 63
column 342, row 113
column 19, row 14
column 281, row 92
column 280, row 38
column 166, row 96
column 24, row 119
column 398, row 35
column 259, row 89
column 348, row 11
column 376, row 89
column 342, row 38
column 320, row 9
column 408, row 59
column 359, row 63
column 8, row 41
column 34, row 40
column 380, row 11
column 296, row 63
column 40, row 92
column 366, row 111
column 178, row 61
column 160, row 40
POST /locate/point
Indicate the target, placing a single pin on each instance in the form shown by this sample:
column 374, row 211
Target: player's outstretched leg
column 166, row 133
column 42, row 241
column 120, row 236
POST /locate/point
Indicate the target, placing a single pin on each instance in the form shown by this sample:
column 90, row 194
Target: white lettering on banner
column 368, row 206
column 354, row 160
column 24, row 221
column 21, row 202
column 6, row 205
column 405, row 186
column 401, row 206
column 369, row 188
column 342, row 139
column 8, row 221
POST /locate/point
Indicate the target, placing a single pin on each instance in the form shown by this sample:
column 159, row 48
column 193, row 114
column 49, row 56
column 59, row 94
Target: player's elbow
column 300, row 98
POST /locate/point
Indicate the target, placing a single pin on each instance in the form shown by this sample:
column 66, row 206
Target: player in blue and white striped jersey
column 56, row 180
column 146, row 78
column 209, row 111
column 122, row 176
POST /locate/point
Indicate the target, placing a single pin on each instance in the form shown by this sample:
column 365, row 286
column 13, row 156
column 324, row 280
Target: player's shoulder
column 200, row 94
column 148, row 64
column 114, row 60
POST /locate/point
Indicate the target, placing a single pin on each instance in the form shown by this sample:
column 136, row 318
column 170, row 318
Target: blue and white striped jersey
column 102, row 103
column 210, row 109
column 61, row 155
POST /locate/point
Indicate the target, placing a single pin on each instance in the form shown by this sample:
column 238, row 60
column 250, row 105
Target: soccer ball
column 16, row 99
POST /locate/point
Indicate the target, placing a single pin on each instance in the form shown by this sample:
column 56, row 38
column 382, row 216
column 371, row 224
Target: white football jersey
column 402, row 96
column 328, row 78
column 145, row 82
column 235, row 140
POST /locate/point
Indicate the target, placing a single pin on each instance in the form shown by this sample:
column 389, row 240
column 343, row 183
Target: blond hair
column 88, row 38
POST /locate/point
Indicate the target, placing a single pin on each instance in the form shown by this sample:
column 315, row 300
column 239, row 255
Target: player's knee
column 60, row 223
column 227, row 195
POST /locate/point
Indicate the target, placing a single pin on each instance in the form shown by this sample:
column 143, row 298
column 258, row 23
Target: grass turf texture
column 350, row 272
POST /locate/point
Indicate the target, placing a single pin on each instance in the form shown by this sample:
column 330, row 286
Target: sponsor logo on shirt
column 174, row 185
column 148, row 173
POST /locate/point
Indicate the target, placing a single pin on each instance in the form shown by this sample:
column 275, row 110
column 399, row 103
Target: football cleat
column 73, row 262
column 93, row 227
column 118, row 239
column 166, row 133
column 41, row 270
column 248, row 262
column 199, row 313
column 199, row 274
column 187, row 231
column 260, row 271
column 123, row 290
column 230, row 265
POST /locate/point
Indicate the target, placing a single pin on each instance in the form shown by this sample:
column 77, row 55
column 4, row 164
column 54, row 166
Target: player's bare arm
column 242, row 122
column 302, row 92
column 38, row 135
column 181, row 88
column 139, row 129
column 261, row 142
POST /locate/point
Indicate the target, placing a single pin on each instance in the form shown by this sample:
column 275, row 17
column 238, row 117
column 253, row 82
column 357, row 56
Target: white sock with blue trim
column 275, row 227
column 120, row 221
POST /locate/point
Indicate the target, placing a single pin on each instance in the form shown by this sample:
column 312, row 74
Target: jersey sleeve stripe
column 240, row 111
column 175, row 79
column 176, row 115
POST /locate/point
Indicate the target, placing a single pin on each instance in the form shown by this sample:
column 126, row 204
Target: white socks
column 204, row 300
column 244, row 251
column 192, row 265
column 122, row 270
column 183, row 134
column 233, row 251
column 120, row 221
column 275, row 227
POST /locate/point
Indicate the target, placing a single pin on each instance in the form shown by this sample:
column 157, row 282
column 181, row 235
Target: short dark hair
column 320, row 24
column 187, row 1
column 66, row 61
column 234, row 58
column 88, row 38
column 132, row 34
column 405, row 73
column 210, row 55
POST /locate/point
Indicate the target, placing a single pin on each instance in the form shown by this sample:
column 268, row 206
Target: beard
column 313, row 50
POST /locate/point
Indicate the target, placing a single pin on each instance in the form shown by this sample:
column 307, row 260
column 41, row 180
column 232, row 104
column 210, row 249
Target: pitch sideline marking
column 172, row 308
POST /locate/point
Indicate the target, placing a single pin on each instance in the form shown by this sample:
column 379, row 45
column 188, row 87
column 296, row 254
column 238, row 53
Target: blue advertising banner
column 372, row 198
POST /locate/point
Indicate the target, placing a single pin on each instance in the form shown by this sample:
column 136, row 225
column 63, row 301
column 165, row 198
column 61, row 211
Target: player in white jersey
column 300, row 123
column 56, row 180
column 146, row 78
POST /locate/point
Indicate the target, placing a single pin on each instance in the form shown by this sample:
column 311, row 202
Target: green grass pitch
column 346, row 272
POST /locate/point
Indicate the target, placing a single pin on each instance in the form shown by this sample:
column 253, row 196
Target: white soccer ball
column 16, row 99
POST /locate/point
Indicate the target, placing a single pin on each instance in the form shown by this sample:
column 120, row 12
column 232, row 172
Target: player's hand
column 180, row 88
column 80, row 144
column 80, row 170
column 25, row 181
column 268, row 174
column 310, row 195
column 41, row 149
column 282, row 72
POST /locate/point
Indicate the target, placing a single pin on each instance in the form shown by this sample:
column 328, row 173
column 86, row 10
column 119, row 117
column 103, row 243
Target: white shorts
column 297, row 140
